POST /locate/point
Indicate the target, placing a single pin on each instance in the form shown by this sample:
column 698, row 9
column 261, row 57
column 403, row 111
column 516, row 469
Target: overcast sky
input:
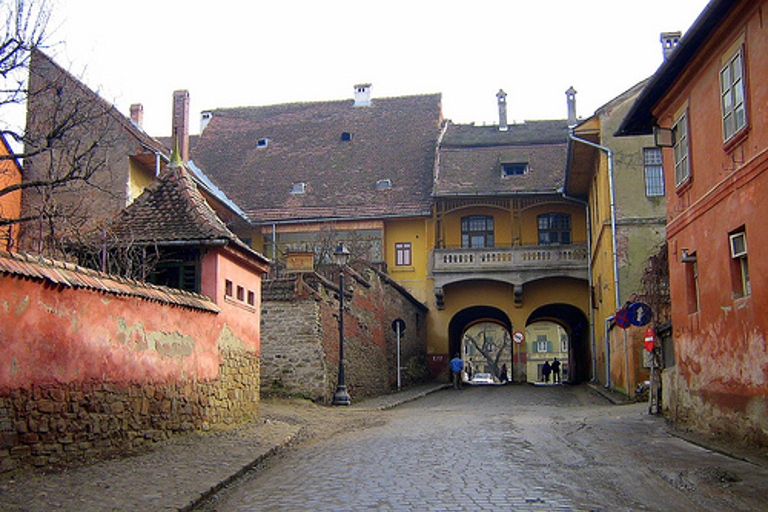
column 245, row 53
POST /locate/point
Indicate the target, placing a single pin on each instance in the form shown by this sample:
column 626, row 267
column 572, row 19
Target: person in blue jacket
column 456, row 366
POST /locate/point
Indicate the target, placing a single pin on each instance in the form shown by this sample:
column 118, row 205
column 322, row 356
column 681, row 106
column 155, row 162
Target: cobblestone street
column 514, row 448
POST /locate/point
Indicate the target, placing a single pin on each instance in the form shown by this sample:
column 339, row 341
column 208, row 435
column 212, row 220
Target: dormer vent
column 262, row 143
column 384, row 184
column 299, row 188
column 570, row 96
column 346, row 136
column 363, row 95
column 669, row 41
column 514, row 168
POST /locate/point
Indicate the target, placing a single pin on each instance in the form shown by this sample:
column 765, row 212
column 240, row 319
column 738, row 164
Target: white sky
column 245, row 53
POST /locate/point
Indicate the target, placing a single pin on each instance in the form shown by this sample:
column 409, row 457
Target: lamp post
column 341, row 397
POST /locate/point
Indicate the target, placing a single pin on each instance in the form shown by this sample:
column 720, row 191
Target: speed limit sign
column 518, row 337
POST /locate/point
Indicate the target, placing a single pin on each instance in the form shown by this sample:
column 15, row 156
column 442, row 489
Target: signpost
column 639, row 313
column 622, row 318
column 398, row 325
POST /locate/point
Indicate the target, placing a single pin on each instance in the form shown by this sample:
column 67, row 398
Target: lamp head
column 341, row 254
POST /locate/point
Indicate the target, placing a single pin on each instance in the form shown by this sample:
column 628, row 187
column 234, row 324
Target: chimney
column 669, row 41
column 570, row 94
column 363, row 95
column 180, row 129
column 137, row 114
column 501, row 96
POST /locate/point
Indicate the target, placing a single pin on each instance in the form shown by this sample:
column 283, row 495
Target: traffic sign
column 639, row 313
column 622, row 318
column 398, row 325
column 518, row 337
column 650, row 338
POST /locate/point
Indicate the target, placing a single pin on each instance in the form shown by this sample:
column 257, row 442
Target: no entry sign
column 650, row 337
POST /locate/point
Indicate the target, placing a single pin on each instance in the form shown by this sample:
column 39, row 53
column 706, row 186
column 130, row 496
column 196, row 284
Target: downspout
column 615, row 258
column 609, row 153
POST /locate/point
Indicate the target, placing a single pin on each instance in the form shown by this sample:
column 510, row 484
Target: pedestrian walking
column 456, row 366
column 503, row 377
column 545, row 370
column 555, row 371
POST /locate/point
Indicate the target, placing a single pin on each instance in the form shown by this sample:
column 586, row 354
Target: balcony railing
column 494, row 259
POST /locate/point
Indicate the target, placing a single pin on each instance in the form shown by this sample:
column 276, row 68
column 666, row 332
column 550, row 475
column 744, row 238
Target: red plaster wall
column 52, row 334
column 720, row 381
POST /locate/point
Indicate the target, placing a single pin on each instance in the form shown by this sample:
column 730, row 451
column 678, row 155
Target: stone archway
column 482, row 336
column 576, row 325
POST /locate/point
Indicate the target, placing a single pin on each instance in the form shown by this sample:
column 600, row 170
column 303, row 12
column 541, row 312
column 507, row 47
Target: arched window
column 477, row 231
column 554, row 229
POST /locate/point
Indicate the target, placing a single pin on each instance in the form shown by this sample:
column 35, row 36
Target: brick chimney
column 501, row 96
column 180, row 128
column 137, row 114
column 669, row 41
column 570, row 95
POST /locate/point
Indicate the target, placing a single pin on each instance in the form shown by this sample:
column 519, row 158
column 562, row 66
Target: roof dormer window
column 385, row 184
column 262, row 143
column 299, row 188
column 514, row 168
column 346, row 136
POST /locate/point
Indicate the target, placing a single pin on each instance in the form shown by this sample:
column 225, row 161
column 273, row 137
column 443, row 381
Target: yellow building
column 472, row 221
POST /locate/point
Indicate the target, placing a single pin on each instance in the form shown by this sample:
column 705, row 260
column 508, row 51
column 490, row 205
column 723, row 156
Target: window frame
column 403, row 254
column 742, row 286
column 469, row 234
column 730, row 89
column 681, row 149
column 553, row 226
column 653, row 172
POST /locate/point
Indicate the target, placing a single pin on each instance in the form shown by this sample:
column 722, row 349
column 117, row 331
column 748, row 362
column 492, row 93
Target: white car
column 482, row 378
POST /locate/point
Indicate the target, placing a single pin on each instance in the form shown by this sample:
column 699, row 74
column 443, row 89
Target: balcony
column 514, row 265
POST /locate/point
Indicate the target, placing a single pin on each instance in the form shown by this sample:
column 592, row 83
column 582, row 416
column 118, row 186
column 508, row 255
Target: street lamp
column 341, row 397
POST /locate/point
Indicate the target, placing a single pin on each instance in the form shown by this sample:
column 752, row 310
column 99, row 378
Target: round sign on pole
column 622, row 318
column 518, row 337
column 398, row 325
column 639, row 313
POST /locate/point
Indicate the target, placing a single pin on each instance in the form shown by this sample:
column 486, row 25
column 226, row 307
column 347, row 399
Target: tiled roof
column 393, row 139
column 172, row 210
column 74, row 276
column 470, row 159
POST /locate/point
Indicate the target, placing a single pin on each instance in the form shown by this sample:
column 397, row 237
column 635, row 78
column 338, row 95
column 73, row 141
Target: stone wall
column 89, row 372
column 300, row 335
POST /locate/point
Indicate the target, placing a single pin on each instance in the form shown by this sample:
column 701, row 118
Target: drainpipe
column 609, row 154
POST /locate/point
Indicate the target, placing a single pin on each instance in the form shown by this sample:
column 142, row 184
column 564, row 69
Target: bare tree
column 63, row 145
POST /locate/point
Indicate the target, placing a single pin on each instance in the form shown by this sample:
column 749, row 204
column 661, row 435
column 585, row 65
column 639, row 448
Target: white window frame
column 403, row 254
column 738, row 247
column 653, row 168
column 732, row 96
column 680, row 132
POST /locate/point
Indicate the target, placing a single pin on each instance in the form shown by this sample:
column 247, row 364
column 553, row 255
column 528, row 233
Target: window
column 680, row 145
column 299, row 188
column 385, row 184
column 240, row 293
column 732, row 96
column 554, row 229
column 542, row 344
column 346, row 136
column 514, row 168
column 477, row 231
column 227, row 288
column 740, row 265
column 692, row 279
column 262, row 143
column 654, row 172
column 403, row 254
column 251, row 298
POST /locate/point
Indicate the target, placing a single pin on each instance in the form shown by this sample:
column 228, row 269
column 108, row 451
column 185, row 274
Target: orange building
column 707, row 106
column 10, row 203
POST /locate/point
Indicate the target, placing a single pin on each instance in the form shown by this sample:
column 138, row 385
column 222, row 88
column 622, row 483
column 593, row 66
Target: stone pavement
column 175, row 476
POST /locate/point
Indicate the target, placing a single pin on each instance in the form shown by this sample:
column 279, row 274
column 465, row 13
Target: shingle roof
column 470, row 159
column 392, row 139
column 73, row 276
column 172, row 209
